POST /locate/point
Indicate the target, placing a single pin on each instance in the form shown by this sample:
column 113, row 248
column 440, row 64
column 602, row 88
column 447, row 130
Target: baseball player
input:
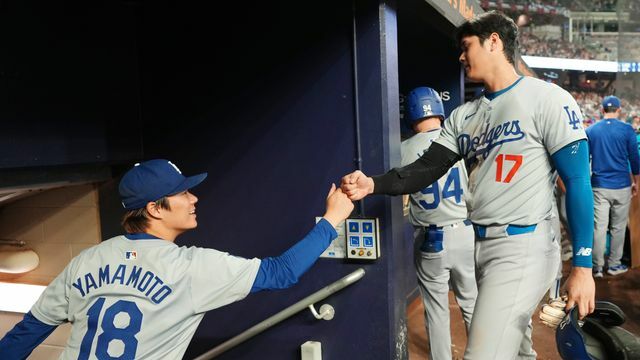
column 614, row 148
column 140, row 295
column 511, row 138
column 444, row 238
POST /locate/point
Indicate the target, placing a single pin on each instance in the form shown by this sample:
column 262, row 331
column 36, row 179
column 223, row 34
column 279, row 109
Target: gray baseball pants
column 436, row 270
column 611, row 212
column 513, row 272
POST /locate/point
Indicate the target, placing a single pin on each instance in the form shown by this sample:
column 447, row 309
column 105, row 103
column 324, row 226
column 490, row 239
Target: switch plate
column 362, row 238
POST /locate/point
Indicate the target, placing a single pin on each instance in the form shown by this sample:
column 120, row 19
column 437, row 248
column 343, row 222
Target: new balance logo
column 584, row 251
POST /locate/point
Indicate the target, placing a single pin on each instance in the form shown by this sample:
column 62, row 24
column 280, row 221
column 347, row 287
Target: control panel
column 363, row 238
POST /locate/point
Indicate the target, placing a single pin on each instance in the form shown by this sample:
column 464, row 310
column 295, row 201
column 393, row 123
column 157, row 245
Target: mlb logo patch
column 130, row 255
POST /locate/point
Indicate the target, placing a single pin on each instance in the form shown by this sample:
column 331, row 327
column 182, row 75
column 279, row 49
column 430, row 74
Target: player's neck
column 162, row 232
column 610, row 116
column 500, row 78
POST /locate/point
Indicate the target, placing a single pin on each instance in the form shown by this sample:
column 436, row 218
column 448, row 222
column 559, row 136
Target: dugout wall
column 275, row 106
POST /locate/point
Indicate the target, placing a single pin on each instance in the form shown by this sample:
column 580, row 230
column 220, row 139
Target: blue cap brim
column 189, row 183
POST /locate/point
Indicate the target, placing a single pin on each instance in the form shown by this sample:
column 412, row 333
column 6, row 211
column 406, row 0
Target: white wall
column 57, row 224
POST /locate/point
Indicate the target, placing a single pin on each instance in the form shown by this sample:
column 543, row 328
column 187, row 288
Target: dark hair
column 610, row 109
column 490, row 22
column 137, row 220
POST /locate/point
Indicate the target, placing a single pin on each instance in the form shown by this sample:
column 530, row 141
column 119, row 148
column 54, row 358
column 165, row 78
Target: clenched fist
column 357, row 185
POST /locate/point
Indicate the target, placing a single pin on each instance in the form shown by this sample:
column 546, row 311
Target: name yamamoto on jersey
column 127, row 276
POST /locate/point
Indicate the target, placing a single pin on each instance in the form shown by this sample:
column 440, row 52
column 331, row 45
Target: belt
column 467, row 222
column 481, row 231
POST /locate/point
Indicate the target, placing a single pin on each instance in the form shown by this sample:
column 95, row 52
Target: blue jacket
column 613, row 147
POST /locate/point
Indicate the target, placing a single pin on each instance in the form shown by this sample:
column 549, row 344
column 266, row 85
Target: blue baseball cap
column 611, row 101
column 151, row 180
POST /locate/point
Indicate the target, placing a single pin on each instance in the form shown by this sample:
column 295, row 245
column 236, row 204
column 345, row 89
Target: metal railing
column 286, row 313
column 12, row 242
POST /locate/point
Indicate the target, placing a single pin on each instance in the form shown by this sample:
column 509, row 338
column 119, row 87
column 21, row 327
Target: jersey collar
column 141, row 236
column 494, row 95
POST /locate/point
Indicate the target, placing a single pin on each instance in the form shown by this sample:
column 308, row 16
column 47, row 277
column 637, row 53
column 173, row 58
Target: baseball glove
column 553, row 312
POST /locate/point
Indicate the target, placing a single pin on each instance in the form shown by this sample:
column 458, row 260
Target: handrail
column 284, row 314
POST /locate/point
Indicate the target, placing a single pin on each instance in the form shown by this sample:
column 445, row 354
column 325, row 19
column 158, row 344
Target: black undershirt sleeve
column 416, row 176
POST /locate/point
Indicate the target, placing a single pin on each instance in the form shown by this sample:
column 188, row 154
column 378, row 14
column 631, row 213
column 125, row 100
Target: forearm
column 580, row 218
column 20, row 341
column 573, row 168
column 416, row 176
column 284, row 271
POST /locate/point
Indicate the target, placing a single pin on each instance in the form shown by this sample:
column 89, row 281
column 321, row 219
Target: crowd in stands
column 559, row 6
column 591, row 5
column 606, row 48
column 534, row 46
column 629, row 48
column 590, row 104
column 517, row 7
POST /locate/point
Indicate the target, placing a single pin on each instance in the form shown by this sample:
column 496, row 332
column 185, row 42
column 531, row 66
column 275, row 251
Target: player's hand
column 634, row 189
column 339, row 207
column 553, row 312
column 357, row 185
column 581, row 291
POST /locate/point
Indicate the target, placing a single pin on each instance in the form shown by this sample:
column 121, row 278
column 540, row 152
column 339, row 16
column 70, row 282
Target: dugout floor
column 623, row 290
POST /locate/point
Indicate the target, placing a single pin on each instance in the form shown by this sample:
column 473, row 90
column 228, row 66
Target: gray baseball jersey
column 142, row 298
column 506, row 143
column 441, row 203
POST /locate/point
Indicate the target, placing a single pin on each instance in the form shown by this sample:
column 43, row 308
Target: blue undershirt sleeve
column 572, row 164
column 284, row 271
column 20, row 341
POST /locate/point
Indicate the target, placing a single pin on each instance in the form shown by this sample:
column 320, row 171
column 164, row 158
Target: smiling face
column 182, row 213
column 475, row 57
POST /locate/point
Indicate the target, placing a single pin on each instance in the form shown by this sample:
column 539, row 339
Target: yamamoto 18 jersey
column 441, row 203
column 506, row 143
column 125, row 303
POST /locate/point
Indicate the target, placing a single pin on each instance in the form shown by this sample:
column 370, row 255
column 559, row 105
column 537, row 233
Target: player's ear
column 494, row 40
column 153, row 209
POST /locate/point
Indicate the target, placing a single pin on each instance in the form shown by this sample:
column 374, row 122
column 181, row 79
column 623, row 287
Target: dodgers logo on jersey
column 490, row 138
column 574, row 120
column 130, row 255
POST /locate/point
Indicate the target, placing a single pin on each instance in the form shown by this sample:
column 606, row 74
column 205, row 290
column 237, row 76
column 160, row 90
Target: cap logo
column 426, row 109
column 175, row 167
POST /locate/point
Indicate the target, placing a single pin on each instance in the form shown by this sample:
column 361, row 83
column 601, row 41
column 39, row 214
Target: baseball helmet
column 420, row 103
column 598, row 336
